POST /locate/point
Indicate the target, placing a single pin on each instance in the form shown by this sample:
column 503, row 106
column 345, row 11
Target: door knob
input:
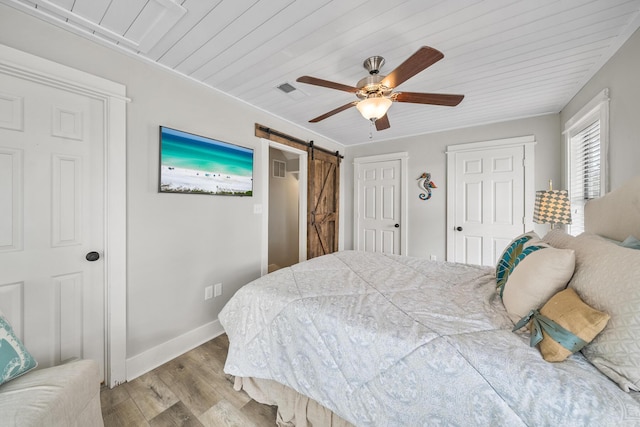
column 92, row 256
column 459, row 228
column 397, row 226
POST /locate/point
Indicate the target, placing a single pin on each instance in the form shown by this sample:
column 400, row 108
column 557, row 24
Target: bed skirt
column 294, row 409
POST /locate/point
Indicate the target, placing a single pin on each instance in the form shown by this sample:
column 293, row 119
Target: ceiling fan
column 376, row 92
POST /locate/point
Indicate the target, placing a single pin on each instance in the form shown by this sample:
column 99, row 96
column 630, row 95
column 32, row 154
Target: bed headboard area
column 616, row 215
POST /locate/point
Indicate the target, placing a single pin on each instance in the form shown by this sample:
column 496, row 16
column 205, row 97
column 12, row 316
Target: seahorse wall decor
column 424, row 182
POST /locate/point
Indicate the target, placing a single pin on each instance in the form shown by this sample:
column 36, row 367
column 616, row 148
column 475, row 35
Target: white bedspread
column 397, row 341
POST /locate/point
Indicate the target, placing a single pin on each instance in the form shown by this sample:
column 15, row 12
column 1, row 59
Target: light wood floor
column 190, row 390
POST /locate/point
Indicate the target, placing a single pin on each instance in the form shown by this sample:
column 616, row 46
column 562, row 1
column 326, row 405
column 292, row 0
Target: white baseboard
column 160, row 354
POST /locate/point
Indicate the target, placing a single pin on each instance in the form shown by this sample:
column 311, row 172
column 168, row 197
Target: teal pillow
column 15, row 360
column 631, row 242
column 511, row 256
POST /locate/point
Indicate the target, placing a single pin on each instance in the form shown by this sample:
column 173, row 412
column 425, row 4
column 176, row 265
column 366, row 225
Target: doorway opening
column 285, row 201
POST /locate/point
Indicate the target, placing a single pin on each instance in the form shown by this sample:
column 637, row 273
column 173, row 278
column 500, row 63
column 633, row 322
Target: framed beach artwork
column 199, row 165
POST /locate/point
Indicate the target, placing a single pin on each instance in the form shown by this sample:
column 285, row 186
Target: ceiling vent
column 286, row 87
column 291, row 91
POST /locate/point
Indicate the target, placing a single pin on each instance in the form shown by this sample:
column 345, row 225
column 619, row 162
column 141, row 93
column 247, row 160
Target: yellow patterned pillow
column 569, row 311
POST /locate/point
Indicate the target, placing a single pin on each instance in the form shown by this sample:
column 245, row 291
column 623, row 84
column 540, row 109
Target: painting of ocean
column 195, row 164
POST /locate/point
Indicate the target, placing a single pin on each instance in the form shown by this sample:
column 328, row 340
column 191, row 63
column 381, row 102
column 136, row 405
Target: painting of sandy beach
column 198, row 165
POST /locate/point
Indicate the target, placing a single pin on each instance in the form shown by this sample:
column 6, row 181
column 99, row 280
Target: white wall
column 427, row 219
column 283, row 214
column 621, row 74
column 177, row 244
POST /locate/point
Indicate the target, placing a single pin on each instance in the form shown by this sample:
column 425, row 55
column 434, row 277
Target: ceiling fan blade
column 422, row 59
column 326, row 83
column 383, row 123
column 332, row 112
column 430, row 98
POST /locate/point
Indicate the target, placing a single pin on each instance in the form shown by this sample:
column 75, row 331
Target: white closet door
column 51, row 217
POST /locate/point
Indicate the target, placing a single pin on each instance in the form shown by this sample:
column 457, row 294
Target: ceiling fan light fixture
column 376, row 92
column 373, row 108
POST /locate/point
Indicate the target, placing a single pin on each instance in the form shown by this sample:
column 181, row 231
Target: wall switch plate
column 433, row 257
column 217, row 289
column 208, row 292
column 257, row 209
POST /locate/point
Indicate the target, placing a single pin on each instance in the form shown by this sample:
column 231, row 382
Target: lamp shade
column 373, row 108
column 552, row 207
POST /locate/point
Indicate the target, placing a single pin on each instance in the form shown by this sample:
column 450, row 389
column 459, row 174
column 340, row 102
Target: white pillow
column 607, row 278
column 538, row 277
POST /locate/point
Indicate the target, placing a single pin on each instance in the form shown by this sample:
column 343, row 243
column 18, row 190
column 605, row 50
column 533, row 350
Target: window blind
column 585, row 172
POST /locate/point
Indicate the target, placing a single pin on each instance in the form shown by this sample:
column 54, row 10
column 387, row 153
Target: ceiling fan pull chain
column 371, row 129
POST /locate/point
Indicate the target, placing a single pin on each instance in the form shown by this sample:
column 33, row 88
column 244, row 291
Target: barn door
column 323, row 199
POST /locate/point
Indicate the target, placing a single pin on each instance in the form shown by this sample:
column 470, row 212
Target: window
column 586, row 139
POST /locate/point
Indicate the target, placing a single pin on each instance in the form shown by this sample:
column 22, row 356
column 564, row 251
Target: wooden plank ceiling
column 511, row 59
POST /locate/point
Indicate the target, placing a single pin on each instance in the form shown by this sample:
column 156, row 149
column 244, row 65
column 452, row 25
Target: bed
column 369, row 339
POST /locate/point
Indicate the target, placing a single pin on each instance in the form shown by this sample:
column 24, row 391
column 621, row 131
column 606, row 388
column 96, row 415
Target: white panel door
column 379, row 185
column 51, row 217
column 489, row 203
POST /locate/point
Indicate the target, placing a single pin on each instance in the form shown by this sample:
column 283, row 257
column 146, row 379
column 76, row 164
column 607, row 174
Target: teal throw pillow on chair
column 15, row 360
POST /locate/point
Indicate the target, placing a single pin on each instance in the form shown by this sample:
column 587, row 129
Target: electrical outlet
column 208, row 292
column 432, row 257
column 217, row 290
